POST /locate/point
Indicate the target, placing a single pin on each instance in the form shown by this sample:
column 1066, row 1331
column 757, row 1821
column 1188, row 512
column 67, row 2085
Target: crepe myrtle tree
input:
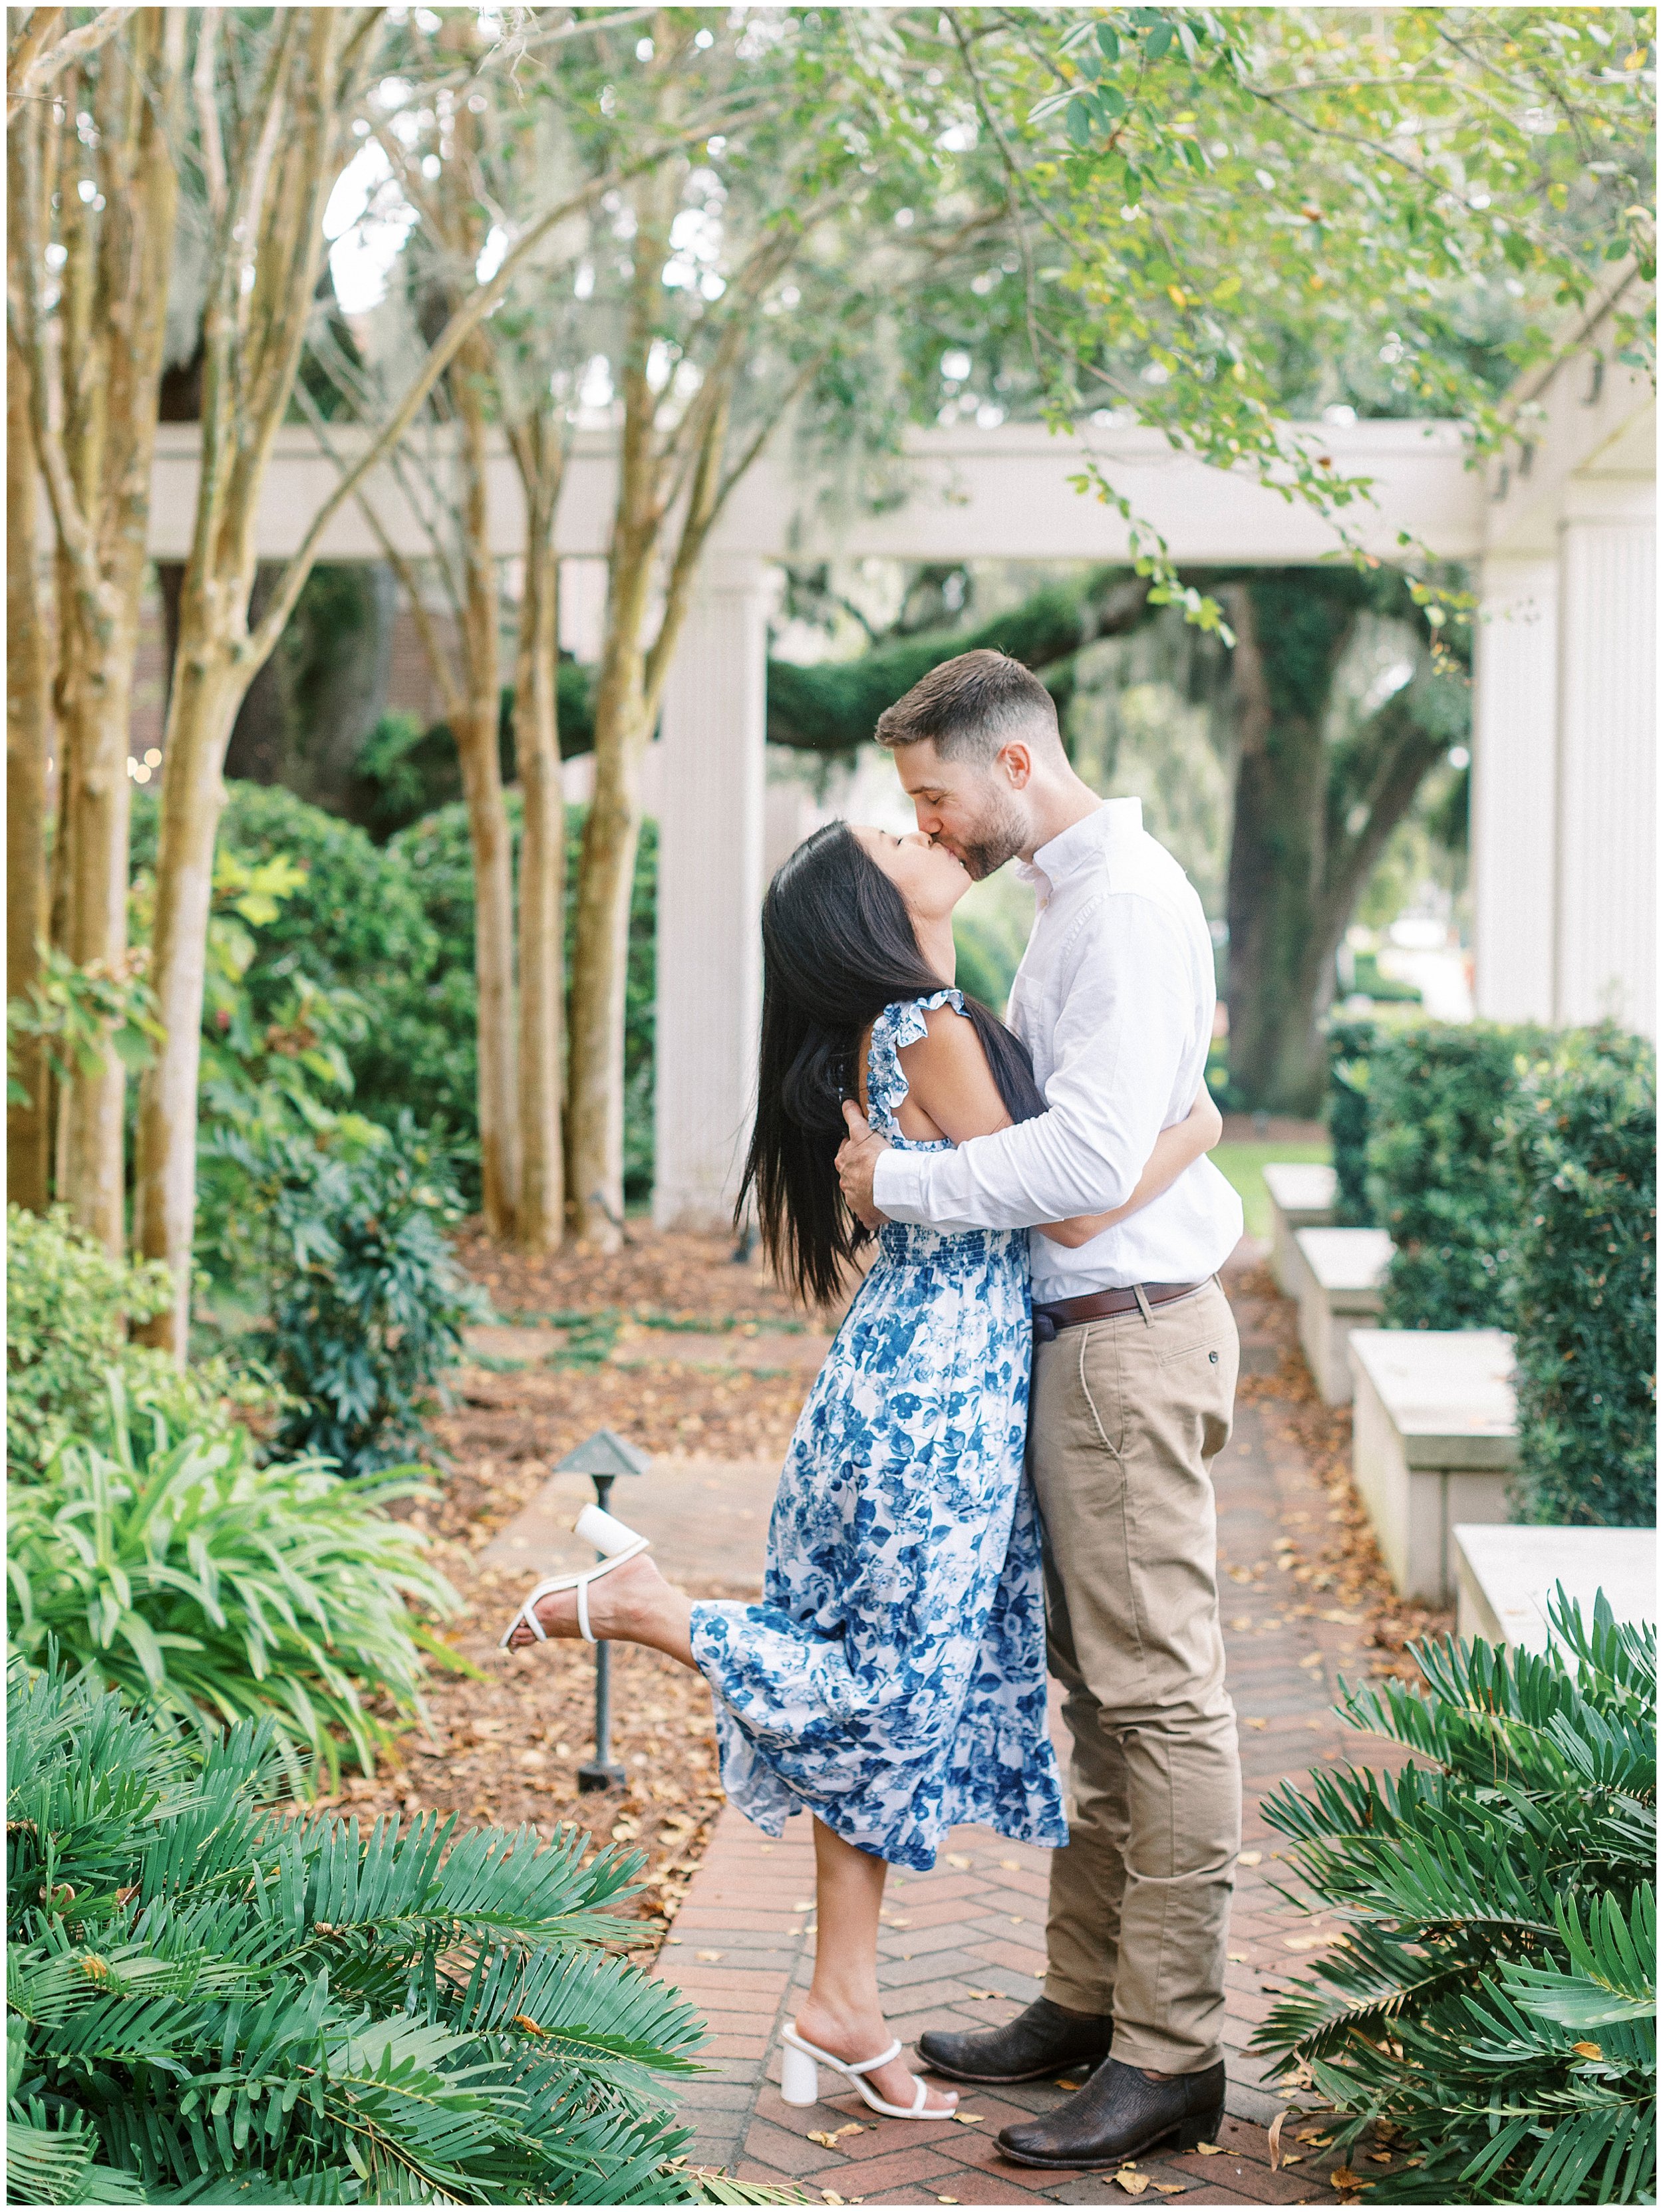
column 91, row 208
column 274, row 96
column 722, row 291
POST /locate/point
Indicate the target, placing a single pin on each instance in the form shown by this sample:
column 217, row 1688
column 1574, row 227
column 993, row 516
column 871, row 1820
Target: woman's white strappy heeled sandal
column 799, row 2081
column 608, row 1535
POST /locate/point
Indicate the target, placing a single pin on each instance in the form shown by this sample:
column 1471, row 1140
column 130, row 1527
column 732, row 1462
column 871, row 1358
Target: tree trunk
column 28, row 735
column 208, row 683
column 262, row 280
column 488, row 825
column 595, row 1105
column 541, row 1218
column 1275, row 873
column 113, row 317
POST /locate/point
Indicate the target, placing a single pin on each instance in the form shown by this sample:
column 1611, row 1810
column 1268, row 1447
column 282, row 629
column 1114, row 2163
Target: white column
column 1607, row 794
column 709, row 893
column 1514, row 754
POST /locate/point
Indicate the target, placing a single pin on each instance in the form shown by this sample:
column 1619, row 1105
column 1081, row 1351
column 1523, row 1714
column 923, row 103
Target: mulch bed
column 502, row 1744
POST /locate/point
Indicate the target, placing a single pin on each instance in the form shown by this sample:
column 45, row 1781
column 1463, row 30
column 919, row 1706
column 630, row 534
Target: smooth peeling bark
column 207, row 688
column 541, row 1221
column 252, row 341
column 112, row 318
column 28, row 735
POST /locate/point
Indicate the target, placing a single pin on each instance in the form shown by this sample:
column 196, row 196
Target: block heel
column 800, row 2077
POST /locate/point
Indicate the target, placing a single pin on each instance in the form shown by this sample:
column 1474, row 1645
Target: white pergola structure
column 1563, row 826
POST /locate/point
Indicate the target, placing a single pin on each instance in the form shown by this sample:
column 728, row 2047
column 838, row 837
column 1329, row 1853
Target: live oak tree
column 1316, row 794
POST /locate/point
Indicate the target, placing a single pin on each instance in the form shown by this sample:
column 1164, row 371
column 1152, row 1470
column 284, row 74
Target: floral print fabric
column 892, row 1678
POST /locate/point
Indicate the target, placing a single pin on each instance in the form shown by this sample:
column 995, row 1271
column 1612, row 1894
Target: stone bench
column 1507, row 1575
column 1433, row 1442
column 1301, row 1197
column 1336, row 1275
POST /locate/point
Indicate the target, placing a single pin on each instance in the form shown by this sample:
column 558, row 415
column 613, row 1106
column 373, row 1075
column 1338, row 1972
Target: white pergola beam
column 1001, row 495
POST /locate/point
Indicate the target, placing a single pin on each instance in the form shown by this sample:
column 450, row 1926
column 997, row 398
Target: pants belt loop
column 1143, row 1305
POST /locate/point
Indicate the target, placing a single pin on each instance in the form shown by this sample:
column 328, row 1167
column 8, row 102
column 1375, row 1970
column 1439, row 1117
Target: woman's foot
column 854, row 2037
column 627, row 1605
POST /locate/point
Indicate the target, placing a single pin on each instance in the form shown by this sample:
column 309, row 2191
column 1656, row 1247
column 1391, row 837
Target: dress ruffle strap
column 897, row 1026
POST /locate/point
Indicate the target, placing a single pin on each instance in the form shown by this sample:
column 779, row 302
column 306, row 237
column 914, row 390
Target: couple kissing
column 1004, row 1464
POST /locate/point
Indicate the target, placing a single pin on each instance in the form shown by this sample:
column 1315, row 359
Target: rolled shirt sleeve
column 1124, row 1032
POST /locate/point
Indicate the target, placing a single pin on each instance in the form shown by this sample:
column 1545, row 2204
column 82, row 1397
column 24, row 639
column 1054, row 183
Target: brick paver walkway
column 964, row 1945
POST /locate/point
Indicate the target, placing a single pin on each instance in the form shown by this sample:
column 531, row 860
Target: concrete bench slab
column 1433, row 1442
column 1506, row 1576
column 1301, row 1197
column 1337, row 1275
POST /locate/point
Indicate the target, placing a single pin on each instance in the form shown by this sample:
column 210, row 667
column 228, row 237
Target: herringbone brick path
column 964, row 1945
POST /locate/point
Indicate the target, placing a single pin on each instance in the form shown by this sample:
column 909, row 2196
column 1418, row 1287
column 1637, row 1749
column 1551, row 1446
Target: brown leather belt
column 1101, row 1305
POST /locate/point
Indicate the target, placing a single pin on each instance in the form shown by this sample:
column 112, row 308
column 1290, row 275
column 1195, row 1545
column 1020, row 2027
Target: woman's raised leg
column 633, row 1604
column 843, row 2012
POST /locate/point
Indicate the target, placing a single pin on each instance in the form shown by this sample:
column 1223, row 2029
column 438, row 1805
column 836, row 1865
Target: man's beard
column 1000, row 836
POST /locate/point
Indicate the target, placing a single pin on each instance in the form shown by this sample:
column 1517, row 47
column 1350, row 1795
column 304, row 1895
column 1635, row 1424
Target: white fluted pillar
column 710, row 814
column 1514, row 776
column 1606, row 949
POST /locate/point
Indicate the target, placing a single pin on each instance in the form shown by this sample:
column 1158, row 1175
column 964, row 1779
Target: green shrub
column 174, row 1569
column 1349, row 1044
column 1440, row 1178
column 220, row 2004
column 1493, row 1999
column 422, row 1051
column 67, row 1310
column 365, row 1305
column 354, row 923
column 1583, row 1140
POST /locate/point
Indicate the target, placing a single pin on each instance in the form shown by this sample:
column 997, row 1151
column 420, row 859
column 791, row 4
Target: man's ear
column 1017, row 762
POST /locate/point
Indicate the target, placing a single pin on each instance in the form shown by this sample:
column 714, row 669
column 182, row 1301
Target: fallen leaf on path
column 1133, row 2184
column 963, row 1865
column 709, row 1958
column 1253, row 1724
column 968, row 2119
column 1249, row 1858
column 1343, row 2178
column 1275, row 2141
column 1210, row 2150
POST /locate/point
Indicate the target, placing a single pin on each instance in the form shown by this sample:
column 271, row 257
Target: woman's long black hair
column 837, row 946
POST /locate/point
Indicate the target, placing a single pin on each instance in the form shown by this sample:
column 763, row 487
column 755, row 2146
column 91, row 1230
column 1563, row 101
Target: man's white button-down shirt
column 1114, row 1000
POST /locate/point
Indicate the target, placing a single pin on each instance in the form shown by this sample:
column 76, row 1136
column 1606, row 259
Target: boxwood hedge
column 1581, row 1141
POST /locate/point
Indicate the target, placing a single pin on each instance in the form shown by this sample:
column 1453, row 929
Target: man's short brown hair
column 970, row 707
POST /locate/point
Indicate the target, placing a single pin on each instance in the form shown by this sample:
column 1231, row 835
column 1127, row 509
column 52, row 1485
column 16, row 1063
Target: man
column 1134, row 1376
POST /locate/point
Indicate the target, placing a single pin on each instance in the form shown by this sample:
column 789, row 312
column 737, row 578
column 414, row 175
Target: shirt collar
column 1079, row 844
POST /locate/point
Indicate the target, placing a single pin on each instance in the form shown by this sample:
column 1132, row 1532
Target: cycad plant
column 176, row 1569
column 1494, row 1996
column 209, row 2001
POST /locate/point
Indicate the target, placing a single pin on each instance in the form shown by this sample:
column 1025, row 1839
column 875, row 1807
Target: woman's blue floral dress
column 892, row 1678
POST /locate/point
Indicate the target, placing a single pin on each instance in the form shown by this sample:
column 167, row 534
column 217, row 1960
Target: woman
column 891, row 1682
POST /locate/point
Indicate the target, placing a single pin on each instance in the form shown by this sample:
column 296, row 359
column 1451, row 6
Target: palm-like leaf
column 213, row 2002
column 1496, row 1996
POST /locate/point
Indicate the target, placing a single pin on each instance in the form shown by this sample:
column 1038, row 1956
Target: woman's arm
column 950, row 1090
column 1175, row 1149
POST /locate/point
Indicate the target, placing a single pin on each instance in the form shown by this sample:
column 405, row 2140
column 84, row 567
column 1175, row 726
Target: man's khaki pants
column 1128, row 1415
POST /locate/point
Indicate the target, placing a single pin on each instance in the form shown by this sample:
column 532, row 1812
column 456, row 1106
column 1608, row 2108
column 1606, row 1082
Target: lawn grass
column 1244, row 1164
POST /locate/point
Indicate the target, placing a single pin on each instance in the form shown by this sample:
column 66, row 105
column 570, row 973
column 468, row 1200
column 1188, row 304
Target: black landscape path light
column 603, row 1457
